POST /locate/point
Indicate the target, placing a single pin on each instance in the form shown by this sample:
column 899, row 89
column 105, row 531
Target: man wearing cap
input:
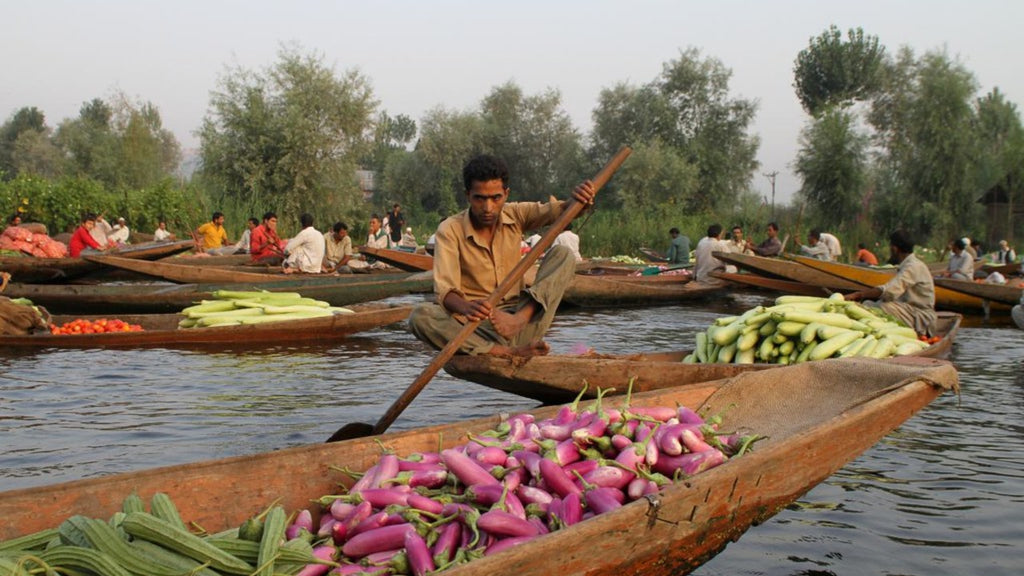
column 120, row 232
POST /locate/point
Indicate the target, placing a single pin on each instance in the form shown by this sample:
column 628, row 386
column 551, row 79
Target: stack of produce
column 422, row 513
column 622, row 259
column 802, row 328
column 231, row 308
column 23, row 240
column 101, row 326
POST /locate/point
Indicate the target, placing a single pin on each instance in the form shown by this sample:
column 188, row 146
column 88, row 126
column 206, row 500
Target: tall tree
column 1001, row 151
column 288, row 137
column 832, row 72
column 688, row 107
column 27, row 119
column 535, row 136
column 832, row 163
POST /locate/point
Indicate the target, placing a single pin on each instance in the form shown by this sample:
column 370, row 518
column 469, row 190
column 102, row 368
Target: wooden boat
column 817, row 417
column 163, row 298
column 607, row 290
column 162, row 330
column 559, row 378
column 208, row 260
column 1009, row 293
column 408, row 261
column 653, row 255
column 1004, row 269
column 190, row 274
column 945, row 298
column 32, row 270
column 773, row 284
column 782, row 269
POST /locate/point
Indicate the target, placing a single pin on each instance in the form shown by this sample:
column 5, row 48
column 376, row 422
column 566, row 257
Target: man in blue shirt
column 679, row 249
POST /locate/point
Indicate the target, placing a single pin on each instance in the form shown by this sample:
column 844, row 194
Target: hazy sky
column 421, row 54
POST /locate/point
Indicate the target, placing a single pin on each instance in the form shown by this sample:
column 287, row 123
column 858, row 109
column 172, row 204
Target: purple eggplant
column 572, row 509
column 378, row 540
column 601, row 500
column 382, row 497
column 420, row 561
column 505, row 524
column 341, row 509
column 533, row 495
column 557, row 479
column 659, row 413
column 694, row 441
column 609, row 476
column 690, row 463
column 506, row 543
column 322, row 553
column 582, row 467
column 420, row 502
column 448, row 540
column 466, row 469
column 688, row 416
column 372, row 522
column 327, row 523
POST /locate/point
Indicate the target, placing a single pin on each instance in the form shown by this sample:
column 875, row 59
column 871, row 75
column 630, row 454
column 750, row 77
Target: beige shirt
column 911, row 285
column 473, row 270
column 337, row 250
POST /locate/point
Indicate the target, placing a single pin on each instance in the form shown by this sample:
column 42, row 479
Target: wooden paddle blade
column 351, row 431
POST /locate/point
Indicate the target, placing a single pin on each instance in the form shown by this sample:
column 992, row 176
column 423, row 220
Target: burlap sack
column 18, row 319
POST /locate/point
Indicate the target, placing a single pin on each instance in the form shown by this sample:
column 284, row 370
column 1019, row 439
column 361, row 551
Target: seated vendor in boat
column 82, row 240
column 771, row 246
column 961, row 264
column 475, row 250
column 815, row 248
column 910, row 295
column 265, row 246
column 305, row 251
column 338, row 249
column 213, row 239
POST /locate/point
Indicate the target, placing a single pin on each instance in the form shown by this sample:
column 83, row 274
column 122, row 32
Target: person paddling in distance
column 910, row 295
column 475, row 250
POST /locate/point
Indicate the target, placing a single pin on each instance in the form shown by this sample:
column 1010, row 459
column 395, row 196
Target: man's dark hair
column 396, row 205
column 714, row 230
column 339, row 226
column 773, row 226
column 374, row 216
column 485, row 168
column 216, row 215
column 306, row 219
column 255, row 221
column 959, row 243
column 902, row 240
column 13, row 218
column 673, row 230
column 861, row 246
column 815, row 233
column 268, row 216
column 88, row 216
column 737, row 227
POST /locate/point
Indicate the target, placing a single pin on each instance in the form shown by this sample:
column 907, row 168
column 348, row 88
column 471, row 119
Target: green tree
column 447, row 140
column 1001, row 151
column 832, row 163
column 288, row 137
column 832, row 72
column 656, row 175
column 27, row 119
column 688, row 108
column 535, row 136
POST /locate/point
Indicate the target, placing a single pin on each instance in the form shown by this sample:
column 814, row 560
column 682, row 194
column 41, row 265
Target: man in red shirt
column 864, row 256
column 82, row 238
column 265, row 246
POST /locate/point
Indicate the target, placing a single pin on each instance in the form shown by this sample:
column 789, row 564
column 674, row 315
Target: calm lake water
column 943, row 494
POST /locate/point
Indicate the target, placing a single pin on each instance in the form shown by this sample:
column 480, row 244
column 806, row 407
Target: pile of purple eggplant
column 431, row 511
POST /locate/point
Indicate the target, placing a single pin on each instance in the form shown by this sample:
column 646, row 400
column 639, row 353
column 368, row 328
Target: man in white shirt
column 162, row 234
column 832, row 243
column 101, row 231
column 961, row 265
column 815, row 248
column 305, row 251
column 120, row 232
column 705, row 262
column 570, row 240
column 737, row 244
column 339, row 249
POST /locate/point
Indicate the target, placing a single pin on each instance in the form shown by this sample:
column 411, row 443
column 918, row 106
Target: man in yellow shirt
column 476, row 250
column 213, row 237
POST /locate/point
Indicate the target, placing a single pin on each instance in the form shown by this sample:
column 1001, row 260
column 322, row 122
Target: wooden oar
column 571, row 211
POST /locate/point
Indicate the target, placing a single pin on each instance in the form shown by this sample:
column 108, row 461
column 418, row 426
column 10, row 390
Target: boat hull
column 817, row 418
column 557, row 378
column 161, row 330
column 42, row 270
column 782, row 269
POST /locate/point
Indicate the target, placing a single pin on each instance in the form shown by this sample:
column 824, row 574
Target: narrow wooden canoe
column 408, row 261
column 817, row 417
column 164, row 298
column 1004, row 269
column 37, row 270
column 786, row 270
column 189, row 274
column 162, row 330
column 557, row 378
column 945, row 298
column 773, row 284
column 208, row 260
column 1009, row 293
column 600, row 290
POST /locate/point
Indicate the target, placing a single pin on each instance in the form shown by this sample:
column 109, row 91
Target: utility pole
column 771, row 178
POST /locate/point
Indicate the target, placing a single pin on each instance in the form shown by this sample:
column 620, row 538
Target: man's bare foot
column 525, row 351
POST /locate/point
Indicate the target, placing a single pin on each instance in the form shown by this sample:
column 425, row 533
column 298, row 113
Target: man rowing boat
column 475, row 250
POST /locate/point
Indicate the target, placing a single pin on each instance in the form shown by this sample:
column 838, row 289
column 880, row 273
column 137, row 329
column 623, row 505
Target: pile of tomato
column 928, row 340
column 101, row 326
